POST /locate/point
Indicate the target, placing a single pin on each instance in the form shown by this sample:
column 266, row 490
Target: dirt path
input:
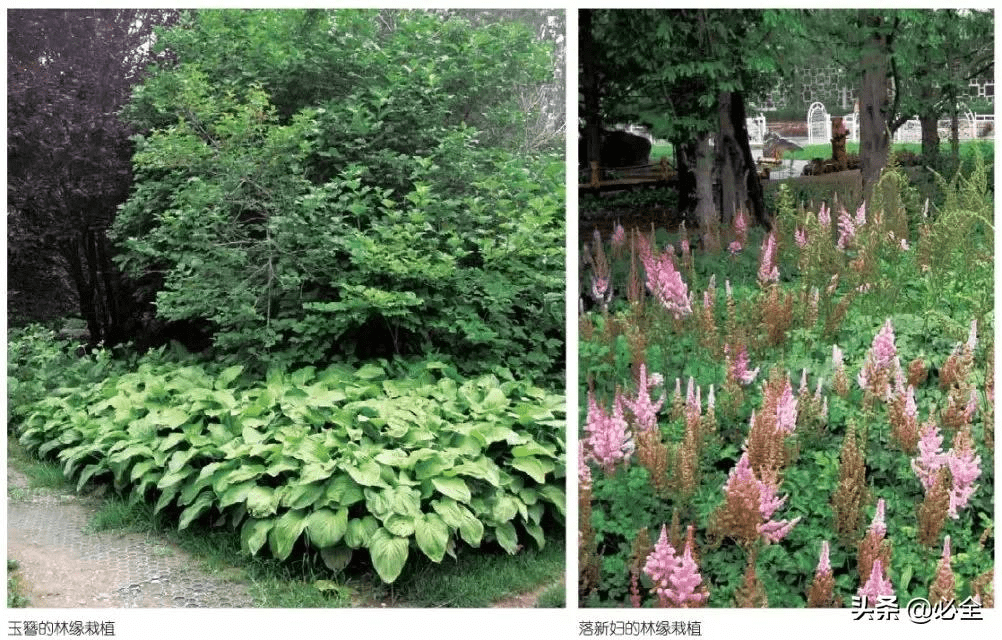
column 62, row 565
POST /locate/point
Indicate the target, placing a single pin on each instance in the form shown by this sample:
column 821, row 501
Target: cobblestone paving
column 62, row 564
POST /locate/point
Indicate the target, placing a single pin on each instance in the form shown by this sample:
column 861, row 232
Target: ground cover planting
column 386, row 459
column 799, row 420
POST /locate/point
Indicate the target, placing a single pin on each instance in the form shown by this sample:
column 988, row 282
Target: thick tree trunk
column 685, row 162
column 72, row 251
column 874, row 136
column 740, row 186
column 930, row 136
column 590, row 91
column 706, row 212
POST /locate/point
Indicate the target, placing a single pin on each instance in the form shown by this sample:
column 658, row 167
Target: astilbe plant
column 588, row 560
column 840, row 379
column 964, row 468
column 878, row 368
column 983, row 588
column 933, row 510
column 665, row 282
column 847, row 502
column 767, row 433
column 749, row 504
column 677, row 582
column 877, row 587
column 822, row 590
column 768, row 272
column 601, row 279
column 751, row 594
column 903, row 415
column 943, row 587
column 642, row 548
column 609, row 441
column 874, row 546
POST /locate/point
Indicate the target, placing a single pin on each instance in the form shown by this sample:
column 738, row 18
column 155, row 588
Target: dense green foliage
column 313, row 184
column 930, row 291
column 384, row 457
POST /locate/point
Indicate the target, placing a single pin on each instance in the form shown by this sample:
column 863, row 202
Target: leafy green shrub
column 332, row 199
column 387, row 457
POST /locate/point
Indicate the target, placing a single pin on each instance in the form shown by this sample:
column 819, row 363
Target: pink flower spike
column 644, row 410
column 930, row 457
column 661, row 565
column 775, row 531
column 609, row 439
column 800, row 236
column 878, row 526
column 786, row 410
column 684, row 582
column 965, row 468
column 824, row 564
column 767, row 270
column 876, row 585
column 618, row 236
column 824, row 217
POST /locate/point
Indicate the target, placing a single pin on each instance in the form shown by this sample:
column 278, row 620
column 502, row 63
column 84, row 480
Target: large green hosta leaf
column 254, row 534
column 287, row 529
column 326, row 527
column 388, row 553
column 432, row 535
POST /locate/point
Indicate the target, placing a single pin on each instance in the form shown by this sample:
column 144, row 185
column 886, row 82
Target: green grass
column 825, row 150
column 15, row 599
column 554, row 597
column 659, row 150
column 481, row 577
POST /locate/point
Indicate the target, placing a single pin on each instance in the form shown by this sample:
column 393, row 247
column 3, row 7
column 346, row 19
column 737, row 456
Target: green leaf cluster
column 320, row 183
column 388, row 458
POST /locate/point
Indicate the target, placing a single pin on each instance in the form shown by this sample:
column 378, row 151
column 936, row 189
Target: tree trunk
column 930, row 136
column 685, row 162
column 71, row 250
column 590, row 91
column 839, row 134
column 874, row 136
column 706, row 213
column 740, row 186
